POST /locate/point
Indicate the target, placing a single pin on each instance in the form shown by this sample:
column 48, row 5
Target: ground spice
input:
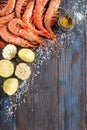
column 66, row 21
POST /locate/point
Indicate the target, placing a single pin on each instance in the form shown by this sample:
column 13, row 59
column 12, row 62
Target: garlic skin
column 9, row 51
column 23, row 71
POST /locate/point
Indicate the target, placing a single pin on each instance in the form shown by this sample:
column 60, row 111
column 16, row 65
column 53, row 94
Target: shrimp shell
column 48, row 18
column 28, row 12
column 8, row 8
column 37, row 17
column 13, row 39
column 19, row 28
column 18, row 8
column 27, row 18
column 7, row 18
column 2, row 6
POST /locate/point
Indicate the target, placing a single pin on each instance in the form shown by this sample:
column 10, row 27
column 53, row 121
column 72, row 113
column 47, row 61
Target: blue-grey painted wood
column 58, row 95
column 86, row 55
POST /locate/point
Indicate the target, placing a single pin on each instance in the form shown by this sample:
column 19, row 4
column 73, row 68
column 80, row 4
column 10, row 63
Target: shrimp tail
column 39, row 40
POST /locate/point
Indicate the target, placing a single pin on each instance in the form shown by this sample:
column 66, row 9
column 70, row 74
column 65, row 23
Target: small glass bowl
column 66, row 22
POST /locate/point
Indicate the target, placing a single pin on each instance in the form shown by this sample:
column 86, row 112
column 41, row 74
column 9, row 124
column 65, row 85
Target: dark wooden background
column 86, row 58
column 60, row 102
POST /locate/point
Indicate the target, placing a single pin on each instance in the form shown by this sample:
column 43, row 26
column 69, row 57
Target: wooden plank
column 86, row 55
column 60, row 106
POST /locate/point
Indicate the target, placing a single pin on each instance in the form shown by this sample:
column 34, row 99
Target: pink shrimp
column 37, row 17
column 28, row 13
column 9, row 7
column 7, row 18
column 19, row 6
column 19, row 28
column 48, row 19
column 13, row 39
column 27, row 17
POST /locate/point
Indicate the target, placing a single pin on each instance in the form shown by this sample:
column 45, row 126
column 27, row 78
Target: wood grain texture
column 57, row 98
column 86, row 55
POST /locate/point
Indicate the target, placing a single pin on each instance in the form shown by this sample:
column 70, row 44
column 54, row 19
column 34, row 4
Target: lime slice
column 6, row 68
column 26, row 55
column 10, row 86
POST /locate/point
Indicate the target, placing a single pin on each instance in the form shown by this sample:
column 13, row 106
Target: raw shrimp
column 8, row 8
column 7, row 18
column 37, row 17
column 13, row 39
column 19, row 28
column 48, row 19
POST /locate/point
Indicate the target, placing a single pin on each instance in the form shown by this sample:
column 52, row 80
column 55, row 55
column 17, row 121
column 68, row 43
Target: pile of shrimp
column 26, row 23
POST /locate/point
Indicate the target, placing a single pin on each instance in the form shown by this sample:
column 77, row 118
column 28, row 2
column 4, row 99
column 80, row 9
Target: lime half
column 26, row 55
column 6, row 68
column 10, row 86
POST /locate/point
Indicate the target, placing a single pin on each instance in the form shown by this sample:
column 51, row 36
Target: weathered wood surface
column 86, row 58
column 57, row 99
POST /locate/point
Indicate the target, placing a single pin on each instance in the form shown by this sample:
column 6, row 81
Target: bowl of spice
column 66, row 22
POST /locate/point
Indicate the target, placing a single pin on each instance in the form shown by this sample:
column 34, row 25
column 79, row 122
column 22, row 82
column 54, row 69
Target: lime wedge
column 10, row 86
column 26, row 55
column 6, row 68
